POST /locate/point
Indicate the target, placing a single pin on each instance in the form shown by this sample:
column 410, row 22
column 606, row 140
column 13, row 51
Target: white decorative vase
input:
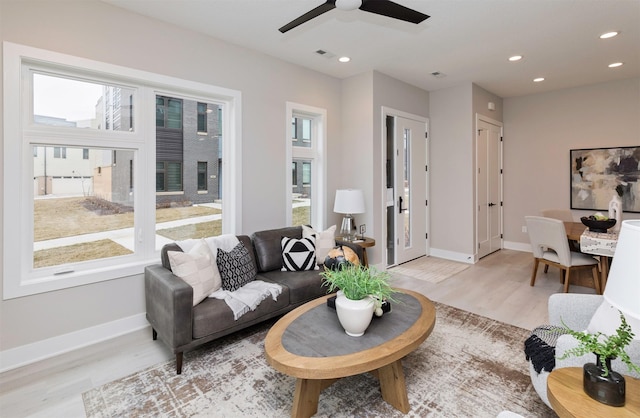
column 615, row 212
column 354, row 315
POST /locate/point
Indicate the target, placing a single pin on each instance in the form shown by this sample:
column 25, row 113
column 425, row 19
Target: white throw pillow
column 607, row 320
column 325, row 241
column 198, row 269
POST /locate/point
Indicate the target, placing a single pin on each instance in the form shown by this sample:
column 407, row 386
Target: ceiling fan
column 381, row 7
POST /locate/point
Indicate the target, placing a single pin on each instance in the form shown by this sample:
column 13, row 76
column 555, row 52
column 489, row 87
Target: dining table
column 602, row 244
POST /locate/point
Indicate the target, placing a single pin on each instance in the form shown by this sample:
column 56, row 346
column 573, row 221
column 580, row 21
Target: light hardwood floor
column 496, row 287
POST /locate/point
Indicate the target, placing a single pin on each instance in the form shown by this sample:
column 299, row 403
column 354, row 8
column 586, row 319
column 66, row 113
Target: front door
column 410, row 189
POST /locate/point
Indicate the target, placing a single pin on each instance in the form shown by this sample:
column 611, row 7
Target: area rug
column 430, row 269
column 470, row 366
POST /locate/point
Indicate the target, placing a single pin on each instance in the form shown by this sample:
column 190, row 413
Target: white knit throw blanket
column 248, row 297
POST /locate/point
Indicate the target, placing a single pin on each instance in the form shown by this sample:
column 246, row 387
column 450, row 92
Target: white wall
column 452, row 124
column 540, row 130
column 363, row 97
column 95, row 30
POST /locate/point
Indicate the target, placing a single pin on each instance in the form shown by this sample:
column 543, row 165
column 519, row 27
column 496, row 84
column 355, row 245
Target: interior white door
column 489, row 187
column 410, row 189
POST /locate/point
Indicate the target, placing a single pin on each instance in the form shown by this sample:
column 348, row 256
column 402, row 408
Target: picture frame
column 598, row 173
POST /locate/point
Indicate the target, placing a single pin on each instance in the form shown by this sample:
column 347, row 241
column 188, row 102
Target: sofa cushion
column 325, row 240
column 236, row 267
column 303, row 285
column 268, row 249
column 298, row 254
column 213, row 316
column 197, row 268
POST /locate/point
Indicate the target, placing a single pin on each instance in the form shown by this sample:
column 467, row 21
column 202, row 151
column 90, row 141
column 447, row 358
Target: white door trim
column 388, row 111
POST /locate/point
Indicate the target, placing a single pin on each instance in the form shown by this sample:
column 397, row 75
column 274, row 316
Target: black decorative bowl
column 598, row 226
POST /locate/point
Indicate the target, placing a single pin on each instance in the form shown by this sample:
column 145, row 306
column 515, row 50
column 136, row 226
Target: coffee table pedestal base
column 392, row 386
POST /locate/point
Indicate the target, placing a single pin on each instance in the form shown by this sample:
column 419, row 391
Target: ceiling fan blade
column 323, row 8
column 393, row 10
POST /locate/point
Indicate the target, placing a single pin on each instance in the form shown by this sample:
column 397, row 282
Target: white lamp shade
column 349, row 201
column 623, row 284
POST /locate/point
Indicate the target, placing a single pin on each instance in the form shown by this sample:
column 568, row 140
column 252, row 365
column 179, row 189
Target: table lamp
column 623, row 284
column 348, row 201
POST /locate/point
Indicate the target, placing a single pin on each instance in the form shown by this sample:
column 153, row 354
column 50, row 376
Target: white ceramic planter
column 354, row 315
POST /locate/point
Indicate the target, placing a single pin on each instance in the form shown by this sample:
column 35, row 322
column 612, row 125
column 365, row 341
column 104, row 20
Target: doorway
column 407, row 169
column 489, row 186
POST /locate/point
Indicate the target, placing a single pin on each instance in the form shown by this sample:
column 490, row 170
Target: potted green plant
column 361, row 291
column 600, row 382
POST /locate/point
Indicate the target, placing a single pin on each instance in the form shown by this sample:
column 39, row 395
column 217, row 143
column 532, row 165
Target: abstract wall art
column 598, row 173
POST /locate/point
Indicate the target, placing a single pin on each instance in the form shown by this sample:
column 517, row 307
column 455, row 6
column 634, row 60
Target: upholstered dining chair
column 562, row 214
column 549, row 245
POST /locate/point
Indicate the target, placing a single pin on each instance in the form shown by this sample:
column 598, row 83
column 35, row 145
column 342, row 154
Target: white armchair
column 576, row 311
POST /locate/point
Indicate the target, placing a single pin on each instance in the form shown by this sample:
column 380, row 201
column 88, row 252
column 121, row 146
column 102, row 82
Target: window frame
column 315, row 153
column 20, row 133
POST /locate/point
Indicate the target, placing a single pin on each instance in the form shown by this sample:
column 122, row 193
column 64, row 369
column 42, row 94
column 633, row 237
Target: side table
column 364, row 242
column 568, row 399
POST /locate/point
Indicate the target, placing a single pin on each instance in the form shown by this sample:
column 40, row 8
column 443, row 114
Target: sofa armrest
column 575, row 310
column 169, row 303
column 355, row 247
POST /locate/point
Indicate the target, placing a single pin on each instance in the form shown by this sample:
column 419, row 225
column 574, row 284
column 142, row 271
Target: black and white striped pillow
column 298, row 254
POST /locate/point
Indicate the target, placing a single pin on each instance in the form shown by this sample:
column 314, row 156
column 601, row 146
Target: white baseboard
column 518, row 246
column 453, row 256
column 51, row 347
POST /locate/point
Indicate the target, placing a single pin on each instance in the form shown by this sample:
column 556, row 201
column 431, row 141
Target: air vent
column 325, row 54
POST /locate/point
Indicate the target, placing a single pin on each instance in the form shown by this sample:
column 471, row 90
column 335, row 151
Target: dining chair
column 549, row 244
column 565, row 216
column 562, row 214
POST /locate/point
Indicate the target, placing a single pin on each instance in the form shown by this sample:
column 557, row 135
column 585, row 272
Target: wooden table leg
column 305, row 398
column 307, row 393
column 393, row 386
column 604, row 265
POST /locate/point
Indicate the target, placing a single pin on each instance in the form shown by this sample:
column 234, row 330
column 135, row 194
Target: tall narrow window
column 306, row 173
column 202, row 175
column 306, row 156
column 202, row 117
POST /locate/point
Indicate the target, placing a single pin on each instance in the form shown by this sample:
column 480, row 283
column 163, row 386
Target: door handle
column 400, row 209
column 491, row 204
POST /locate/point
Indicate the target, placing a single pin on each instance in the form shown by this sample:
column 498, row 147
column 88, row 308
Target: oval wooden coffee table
column 310, row 344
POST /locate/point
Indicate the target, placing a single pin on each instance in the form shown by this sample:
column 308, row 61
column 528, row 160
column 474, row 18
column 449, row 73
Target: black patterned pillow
column 298, row 254
column 236, row 267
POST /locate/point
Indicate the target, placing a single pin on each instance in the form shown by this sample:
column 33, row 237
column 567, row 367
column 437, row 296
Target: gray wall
column 540, row 130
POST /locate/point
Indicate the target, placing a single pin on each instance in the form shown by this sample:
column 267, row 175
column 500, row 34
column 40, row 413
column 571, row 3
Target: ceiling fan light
column 348, row 4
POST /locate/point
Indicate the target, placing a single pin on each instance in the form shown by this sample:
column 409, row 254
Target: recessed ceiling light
column 615, row 64
column 515, row 58
column 344, row 59
column 608, row 35
column 539, row 79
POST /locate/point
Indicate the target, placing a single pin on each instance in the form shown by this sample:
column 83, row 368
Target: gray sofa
column 183, row 327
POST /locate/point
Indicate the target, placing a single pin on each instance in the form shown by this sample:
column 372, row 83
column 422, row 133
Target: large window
column 306, row 148
column 101, row 183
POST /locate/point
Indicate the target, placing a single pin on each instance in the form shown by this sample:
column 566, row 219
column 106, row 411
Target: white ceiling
column 467, row 40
